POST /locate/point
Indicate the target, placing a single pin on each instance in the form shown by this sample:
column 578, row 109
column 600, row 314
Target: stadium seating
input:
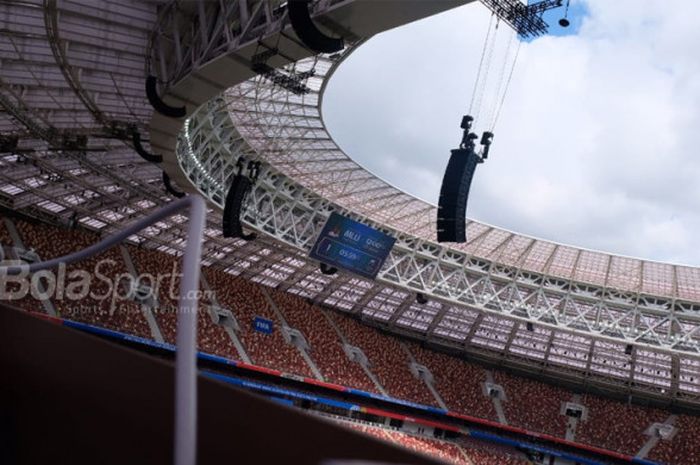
column 684, row 448
column 389, row 362
column 153, row 263
column 246, row 301
column 118, row 314
column 533, row 406
column 484, row 457
column 465, row 452
column 7, row 244
column 326, row 347
column 486, row 453
column 211, row 338
column 367, row 429
column 5, row 238
column 458, row 383
column 443, row 450
column 616, row 426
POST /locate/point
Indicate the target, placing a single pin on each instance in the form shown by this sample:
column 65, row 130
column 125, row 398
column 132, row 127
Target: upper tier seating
column 458, row 383
column 97, row 306
column 246, row 301
column 151, row 268
column 684, row 448
column 5, row 238
column 325, row 346
column 389, row 362
column 7, row 245
column 616, row 426
column 211, row 338
column 533, row 406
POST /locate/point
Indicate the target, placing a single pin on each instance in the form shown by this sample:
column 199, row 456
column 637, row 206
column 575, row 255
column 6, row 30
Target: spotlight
column 564, row 22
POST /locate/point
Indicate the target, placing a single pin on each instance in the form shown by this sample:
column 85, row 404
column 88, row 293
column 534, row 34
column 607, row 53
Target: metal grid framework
column 476, row 305
column 286, row 131
column 309, row 155
column 69, row 69
column 75, row 68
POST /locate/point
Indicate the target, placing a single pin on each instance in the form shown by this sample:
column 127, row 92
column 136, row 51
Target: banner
column 262, row 325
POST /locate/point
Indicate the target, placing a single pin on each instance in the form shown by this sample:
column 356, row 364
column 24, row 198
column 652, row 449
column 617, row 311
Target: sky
column 596, row 143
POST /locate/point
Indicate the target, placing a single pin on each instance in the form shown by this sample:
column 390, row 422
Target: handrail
column 186, row 343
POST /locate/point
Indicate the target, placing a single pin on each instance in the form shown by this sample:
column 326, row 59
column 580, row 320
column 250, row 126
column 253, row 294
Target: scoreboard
column 352, row 246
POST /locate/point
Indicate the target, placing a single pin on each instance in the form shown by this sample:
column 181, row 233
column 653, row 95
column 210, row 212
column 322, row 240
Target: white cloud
column 596, row 145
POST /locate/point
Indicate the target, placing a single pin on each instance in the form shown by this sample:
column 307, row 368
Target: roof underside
column 70, row 69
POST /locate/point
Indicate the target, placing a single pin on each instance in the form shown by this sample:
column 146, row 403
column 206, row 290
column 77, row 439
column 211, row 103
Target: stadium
column 177, row 284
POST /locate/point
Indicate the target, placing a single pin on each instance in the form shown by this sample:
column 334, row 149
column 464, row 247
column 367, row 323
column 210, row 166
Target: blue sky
column 596, row 143
column 577, row 12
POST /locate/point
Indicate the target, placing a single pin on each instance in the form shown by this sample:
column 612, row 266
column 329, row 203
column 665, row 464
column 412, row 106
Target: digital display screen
column 352, row 246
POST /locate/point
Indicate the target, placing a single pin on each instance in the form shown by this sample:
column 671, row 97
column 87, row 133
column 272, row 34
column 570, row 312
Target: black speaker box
column 452, row 207
column 232, row 208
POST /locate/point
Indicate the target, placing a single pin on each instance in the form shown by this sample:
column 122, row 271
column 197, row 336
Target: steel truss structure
column 477, row 301
column 512, row 298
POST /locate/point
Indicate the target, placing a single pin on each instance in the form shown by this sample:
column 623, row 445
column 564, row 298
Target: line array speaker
column 454, row 193
column 237, row 193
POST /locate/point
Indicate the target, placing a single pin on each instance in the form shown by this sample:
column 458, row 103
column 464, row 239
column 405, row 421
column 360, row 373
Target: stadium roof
column 310, row 156
column 69, row 69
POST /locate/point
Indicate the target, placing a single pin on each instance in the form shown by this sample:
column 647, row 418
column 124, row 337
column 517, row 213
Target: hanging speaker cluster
column 454, row 193
column 240, row 187
column 237, row 193
column 306, row 30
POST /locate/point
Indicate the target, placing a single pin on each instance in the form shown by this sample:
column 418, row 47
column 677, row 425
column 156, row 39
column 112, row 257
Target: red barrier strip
column 49, row 318
column 335, row 387
column 545, row 436
column 481, row 421
column 268, row 371
column 420, row 421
